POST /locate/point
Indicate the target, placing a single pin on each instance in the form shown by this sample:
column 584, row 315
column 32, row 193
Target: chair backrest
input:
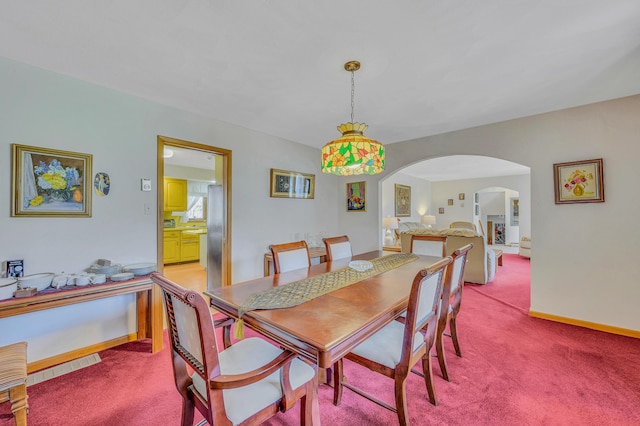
column 192, row 337
column 337, row 247
column 423, row 308
column 454, row 283
column 429, row 245
column 290, row 256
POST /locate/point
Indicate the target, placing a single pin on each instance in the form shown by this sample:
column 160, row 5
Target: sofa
column 481, row 260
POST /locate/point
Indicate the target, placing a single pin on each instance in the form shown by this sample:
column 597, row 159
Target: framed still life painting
column 356, row 197
column 50, row 182
column 402, row 200
column 579, row 182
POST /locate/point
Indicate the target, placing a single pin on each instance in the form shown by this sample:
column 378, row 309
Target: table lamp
column 428, row 220
column 389, row 223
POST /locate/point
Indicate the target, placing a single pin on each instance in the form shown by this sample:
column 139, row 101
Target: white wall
column 49, row 110
column 582, row 264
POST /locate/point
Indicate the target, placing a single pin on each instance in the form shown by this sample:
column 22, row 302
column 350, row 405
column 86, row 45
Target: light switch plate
column 146, row 185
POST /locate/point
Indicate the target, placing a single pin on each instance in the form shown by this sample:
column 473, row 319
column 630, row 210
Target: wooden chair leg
column 19, row 405
column 442, row 360
column 309, row 406
column 428, row 379
column 188, row 410
column 454, row 336
column 401, row 400
column 337, row 382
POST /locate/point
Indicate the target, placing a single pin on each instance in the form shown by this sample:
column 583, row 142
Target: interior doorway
column 194, row 235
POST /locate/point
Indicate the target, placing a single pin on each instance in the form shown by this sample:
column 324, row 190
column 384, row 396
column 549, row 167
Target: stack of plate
column 106, row 270
column 141, row 268
column 360, row 265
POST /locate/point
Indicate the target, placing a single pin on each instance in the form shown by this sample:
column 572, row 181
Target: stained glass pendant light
column 353, row 153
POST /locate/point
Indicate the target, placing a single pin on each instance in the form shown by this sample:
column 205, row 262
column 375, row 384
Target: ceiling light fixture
column 167, row 152
column 353, row 153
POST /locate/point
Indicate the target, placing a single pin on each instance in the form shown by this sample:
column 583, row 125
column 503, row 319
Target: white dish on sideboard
column 141, row 268
column 124, row 276
column 39, row 281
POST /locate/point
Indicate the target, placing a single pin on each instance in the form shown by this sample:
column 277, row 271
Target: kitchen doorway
column 194, row 232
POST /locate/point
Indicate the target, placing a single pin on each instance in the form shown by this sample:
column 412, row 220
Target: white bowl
column 39, row 281
column 360, row 265
column 140, row 268
column 7, row 287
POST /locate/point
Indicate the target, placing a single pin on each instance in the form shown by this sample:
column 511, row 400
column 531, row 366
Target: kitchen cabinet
column 189, row 247
column 172, row 246
column 175, row 194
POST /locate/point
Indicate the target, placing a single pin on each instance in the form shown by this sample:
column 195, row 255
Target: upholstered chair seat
column 242, row 357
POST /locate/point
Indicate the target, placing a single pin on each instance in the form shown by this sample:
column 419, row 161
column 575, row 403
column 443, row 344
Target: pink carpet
column 516, row 370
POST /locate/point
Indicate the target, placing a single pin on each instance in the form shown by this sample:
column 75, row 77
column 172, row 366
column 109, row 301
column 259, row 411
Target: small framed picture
column 356, row 197
column 461, row 196
column 579, row 182
column 450, row 202
column 402, row 200
column 286, row 184
column 441, row 210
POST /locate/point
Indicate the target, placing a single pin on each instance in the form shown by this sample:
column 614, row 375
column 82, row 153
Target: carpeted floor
column 516, row 370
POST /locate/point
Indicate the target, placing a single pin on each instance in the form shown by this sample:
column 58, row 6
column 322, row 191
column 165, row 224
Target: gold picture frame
column 50, row 182
column 288, row 184
column 402, row 200
column 579, row 182
column 356, row 197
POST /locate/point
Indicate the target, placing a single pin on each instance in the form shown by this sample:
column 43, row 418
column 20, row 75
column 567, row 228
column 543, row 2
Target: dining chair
column 246, row 384
column 290, row 256
column 394, row 349
column 13, row 380
column 429, row 245
column 337, row 247
column 451, row 301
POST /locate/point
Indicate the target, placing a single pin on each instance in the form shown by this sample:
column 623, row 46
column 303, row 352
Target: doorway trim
column 226, row 188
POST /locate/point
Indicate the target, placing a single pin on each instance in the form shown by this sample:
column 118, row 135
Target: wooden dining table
column 328, row 327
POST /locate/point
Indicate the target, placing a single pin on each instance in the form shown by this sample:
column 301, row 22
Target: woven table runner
column 298, row 292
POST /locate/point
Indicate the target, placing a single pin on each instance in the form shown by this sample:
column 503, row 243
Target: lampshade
column 390, row 223
column 428, row 220
column 353, row 153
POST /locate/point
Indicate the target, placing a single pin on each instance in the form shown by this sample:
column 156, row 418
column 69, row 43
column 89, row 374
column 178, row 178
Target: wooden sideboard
column 314, row 252
column 149, row 313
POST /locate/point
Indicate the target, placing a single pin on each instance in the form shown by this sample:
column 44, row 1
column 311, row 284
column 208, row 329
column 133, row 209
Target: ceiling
column 276, row 66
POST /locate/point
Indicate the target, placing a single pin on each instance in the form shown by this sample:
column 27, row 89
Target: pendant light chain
column 353, row 91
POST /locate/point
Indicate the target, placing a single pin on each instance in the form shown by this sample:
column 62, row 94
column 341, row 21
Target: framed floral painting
column 50, row 182
column 579, row 182
column 356, row 197
column 402, row 200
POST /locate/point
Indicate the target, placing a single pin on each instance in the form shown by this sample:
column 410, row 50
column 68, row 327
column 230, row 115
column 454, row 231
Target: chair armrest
column 231, row 381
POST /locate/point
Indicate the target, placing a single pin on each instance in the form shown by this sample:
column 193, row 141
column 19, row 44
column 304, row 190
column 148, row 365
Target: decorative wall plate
column 102, row 184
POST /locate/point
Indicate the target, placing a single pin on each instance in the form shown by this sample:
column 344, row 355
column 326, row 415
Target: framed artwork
column 356, row 197
column 450, row 202
column 402, row 200
column 477, row 210
column 476, row 197
column 461, row 196
column 514, row 211
column 579, row 182
column 286, row 184
column 441, row 210
column 50, row 183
